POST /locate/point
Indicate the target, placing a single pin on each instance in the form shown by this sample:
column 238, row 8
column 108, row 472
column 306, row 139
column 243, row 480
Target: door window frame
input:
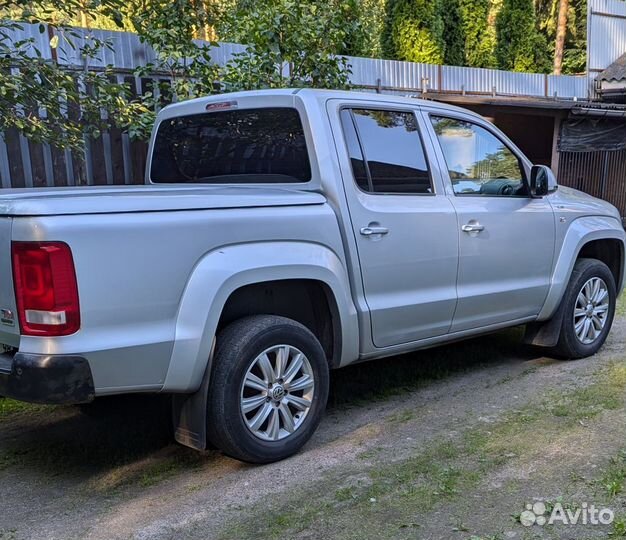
column 521, row 159
column 385, row 108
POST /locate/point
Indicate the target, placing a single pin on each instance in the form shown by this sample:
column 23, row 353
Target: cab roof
column 198, row 105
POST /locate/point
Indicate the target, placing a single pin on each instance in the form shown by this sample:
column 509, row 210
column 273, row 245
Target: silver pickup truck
column 283, row 233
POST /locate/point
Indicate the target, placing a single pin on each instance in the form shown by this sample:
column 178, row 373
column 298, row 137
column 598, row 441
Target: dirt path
column 447, row 443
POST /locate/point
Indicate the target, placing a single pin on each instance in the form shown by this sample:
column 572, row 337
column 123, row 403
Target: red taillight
column 45, row 288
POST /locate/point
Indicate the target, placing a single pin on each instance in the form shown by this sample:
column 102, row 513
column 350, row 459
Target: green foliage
column 44, row 100
column 453, row 31
column 520, row 47
column 291, row 43
column 368, row 38
column 169, row 27
column 414, row 31
column 575, row 56
column 480, row 38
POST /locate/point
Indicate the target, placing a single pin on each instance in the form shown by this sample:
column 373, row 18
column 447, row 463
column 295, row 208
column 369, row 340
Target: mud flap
column 546, row 333
column 189, row 418
column 189, row 413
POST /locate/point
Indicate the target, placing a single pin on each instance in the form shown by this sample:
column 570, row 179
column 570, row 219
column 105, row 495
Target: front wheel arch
column 571, row 345
column 581, row 232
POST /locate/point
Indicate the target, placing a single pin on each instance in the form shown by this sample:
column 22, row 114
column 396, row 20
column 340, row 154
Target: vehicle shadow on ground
column 128, row 439
column 394, row 375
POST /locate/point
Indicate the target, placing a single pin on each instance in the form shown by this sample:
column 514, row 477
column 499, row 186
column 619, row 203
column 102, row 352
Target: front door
column 405, row 228
column 506, row 238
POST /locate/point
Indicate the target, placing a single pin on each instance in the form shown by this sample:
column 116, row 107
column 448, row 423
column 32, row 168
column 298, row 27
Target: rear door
column 405, row 228
column 506, row 238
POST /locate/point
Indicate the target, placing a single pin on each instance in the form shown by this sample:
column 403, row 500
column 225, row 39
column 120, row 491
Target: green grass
column 613, row 479
column 618, row 528
column 10, row 407
column 585, row 403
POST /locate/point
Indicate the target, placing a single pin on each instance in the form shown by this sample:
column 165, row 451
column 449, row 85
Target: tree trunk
column 561, row 31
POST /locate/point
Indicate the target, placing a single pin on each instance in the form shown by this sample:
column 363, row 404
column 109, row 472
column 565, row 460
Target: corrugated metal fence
column 114, row 159
column 606, row 34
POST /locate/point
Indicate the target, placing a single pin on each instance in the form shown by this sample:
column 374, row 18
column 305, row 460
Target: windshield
column 236, row 146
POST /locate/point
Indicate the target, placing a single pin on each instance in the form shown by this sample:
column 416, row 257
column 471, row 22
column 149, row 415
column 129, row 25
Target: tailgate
column 9, row 327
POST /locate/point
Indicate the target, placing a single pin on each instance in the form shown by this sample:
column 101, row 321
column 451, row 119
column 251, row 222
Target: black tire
column 237, row 347
column 569, row 345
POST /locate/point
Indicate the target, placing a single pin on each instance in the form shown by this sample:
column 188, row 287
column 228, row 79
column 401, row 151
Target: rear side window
column 386, row 151
column 237, row 146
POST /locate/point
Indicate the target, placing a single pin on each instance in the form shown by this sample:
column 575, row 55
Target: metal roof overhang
column 577, row 108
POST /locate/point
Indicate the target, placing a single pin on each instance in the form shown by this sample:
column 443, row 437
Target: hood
column 566, row 199
column 146, row 198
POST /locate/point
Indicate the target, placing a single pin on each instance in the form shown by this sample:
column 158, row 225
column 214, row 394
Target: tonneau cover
column 146, row 198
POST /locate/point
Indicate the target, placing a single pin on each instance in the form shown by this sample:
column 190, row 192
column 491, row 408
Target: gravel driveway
column 447, row 443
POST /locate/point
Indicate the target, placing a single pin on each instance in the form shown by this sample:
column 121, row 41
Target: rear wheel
column 588, row 311
column 268, row 389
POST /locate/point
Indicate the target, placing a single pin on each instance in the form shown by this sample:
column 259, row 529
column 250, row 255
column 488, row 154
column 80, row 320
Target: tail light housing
column 45, row 288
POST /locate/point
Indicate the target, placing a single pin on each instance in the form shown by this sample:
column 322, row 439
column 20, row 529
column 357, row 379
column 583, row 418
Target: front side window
column 478, row 162
column 235, row 146
column 386, row 151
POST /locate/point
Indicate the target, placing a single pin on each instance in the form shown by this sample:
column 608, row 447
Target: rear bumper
column 46, row 378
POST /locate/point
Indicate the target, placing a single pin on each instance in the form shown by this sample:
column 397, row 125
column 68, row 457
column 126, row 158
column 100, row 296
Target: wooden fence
column 111, row 158
column 601, row 174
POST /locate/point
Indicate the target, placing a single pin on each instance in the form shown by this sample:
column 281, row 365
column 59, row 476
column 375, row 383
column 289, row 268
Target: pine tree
column 414, row 31
column 561, row 31
column 519, row 45
column 575, row 55
column 575, row 48
column 453, row 33
column 479, row 34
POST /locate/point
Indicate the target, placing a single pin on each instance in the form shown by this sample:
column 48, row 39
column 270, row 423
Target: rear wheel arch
column 311, row 302
column 218, row 276
column 225, row 270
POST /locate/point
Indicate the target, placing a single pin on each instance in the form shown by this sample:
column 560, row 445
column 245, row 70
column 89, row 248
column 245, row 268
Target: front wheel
column 268, row 389
column 588, row 310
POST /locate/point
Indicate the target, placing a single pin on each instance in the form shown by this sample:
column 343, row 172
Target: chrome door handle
column 371, row 230
column 472, row 227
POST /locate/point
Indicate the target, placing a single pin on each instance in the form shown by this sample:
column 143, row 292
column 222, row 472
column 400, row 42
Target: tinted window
column 478, row 162
column 386, row 151
column 354, row 151
column 236, row 146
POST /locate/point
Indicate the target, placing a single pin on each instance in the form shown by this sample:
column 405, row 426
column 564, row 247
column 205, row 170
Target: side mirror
column 542, row 181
